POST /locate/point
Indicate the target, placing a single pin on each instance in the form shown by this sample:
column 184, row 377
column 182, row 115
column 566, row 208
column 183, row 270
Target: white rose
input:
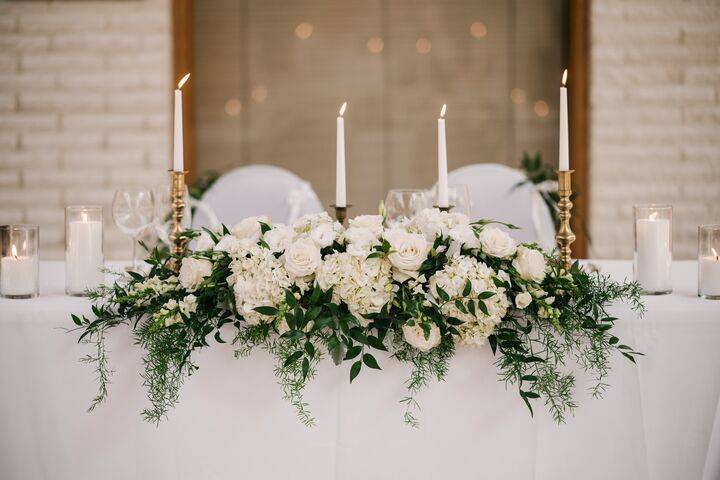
column 408, row 251
column 323, row 235
column 204, row 242
column 188, row 305
column 302, row 258
column 360, row 240
column 504, row 276
column 496, row 242
column 415, row 336
column 228, row 244
column 522, row 300
column 249, row 228
column 530, row 264
column 279, row 237
column 370, row 222
column 193, row 271
column 465, row 236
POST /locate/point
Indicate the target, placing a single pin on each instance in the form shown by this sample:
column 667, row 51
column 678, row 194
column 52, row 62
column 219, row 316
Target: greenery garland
column 417, row 289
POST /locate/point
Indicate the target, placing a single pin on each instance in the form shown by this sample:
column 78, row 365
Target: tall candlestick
column 564, row 163
column 442, row 198
column 340, row 193
column 178, row 161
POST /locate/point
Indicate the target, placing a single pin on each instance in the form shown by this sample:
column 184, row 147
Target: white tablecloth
column 658, row 420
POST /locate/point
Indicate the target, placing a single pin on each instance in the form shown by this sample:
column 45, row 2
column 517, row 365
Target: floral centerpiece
column 414, row 290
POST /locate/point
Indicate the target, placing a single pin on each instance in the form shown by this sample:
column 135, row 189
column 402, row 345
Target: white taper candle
column 178, row 155
column 340, row 193
column 442, row 197
column 564, row 163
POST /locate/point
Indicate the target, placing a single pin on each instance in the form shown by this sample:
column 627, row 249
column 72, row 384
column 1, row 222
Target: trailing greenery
column 537, row 318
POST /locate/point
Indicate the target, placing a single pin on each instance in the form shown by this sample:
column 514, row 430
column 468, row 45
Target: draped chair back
column 258, row 190
column 495, row 194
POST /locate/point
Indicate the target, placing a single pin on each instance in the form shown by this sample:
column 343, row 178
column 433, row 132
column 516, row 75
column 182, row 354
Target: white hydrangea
column 319, row 227
column 279, row 237
column 193, row 271
column 432, row 222
column 452, row 279
column 359, row 241
column 365, row 285
column 250, row 228
column 258, row 279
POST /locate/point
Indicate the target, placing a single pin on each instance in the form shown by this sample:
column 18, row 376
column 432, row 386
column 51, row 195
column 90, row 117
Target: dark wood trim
column 182, row 64
column 579, row 119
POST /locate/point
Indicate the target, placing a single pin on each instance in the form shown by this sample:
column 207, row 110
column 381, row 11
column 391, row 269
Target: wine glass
column 164, row 210
column 133, row 211
column 458, row 197
column 401, row 204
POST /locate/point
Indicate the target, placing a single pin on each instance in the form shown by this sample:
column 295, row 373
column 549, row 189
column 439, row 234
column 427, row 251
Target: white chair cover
column 494, row 195
column 257, row 190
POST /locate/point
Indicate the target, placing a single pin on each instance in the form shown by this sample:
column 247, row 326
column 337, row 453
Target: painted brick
column 38, row 177
column 15, row 82
column 104, row 158
column 62, row 101
column 37, row 158
column 102, row 42
column 61, row 61
column 42, row 140
column 672, row 95
column 50, row 22
column 9, row 178
column 8, row 63
column 8, row 141
column 8, row 23
column 703, row 75
column 145, row 60
column 8, row 102
column 103, row 121
column 140, row 21
column 27, row 196
column 101, row 81
column 45, row 215
column 139, row 101
column 28, row 121
column 17, row 42
column 157, row 139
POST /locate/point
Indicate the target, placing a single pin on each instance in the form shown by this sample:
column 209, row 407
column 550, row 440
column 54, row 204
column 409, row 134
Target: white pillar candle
column 709, row 275
column 18, row 274
column 84, row 255
column 654, row 255
column 442, row 193
column 564, row 162
column 340, row 193
column 178, row 154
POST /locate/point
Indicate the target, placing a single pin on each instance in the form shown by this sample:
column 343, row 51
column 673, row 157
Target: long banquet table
column 659, row 420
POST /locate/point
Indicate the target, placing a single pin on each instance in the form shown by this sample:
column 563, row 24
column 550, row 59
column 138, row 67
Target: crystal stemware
column 402, row 204
column 133, row 211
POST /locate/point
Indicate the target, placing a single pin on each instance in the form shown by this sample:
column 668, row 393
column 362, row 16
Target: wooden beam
column 579, row 121
column 182, row 64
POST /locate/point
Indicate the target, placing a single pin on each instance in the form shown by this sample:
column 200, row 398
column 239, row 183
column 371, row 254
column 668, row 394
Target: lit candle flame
column 564, row 79
column 182, row 81
column 342, row 109
column 14, row 251
column 653, row 216
column 442, row 110
column 715, row 253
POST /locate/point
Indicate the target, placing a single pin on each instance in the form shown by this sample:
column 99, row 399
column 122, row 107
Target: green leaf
column 76, row 320
column 370, row 361
column 218, row 338
column 454, row 321
column 467, row 289
column 485, row 295
column 337, row 350
column 374, row 255
column 290, row 299
column 471, row 307
column 442, row 294
column 376, row 343
column 315, row 295
column 305, row 368
column 460, row 306
column 353, row 352
column 529, row 378
column 629, row 357
column 529, row 394
column 354, row 370
column 492, row 339
column 270, row 311
column 293, row 358
column 483, row 308
column 310, row 349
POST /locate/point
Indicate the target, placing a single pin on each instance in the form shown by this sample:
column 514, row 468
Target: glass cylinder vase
column 709, row 261
column 84, row 260
column 19, row 262
column 653, row 248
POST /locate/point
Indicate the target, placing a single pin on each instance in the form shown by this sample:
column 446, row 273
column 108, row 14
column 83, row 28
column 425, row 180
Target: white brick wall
column 655, row 126
column 84, row 107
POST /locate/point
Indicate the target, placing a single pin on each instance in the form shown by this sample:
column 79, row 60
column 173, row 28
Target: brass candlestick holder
column 565, row 235
column 178, row 243
column 341, row 213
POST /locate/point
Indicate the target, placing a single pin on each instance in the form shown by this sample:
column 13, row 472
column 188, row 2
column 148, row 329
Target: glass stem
column 134, row 253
